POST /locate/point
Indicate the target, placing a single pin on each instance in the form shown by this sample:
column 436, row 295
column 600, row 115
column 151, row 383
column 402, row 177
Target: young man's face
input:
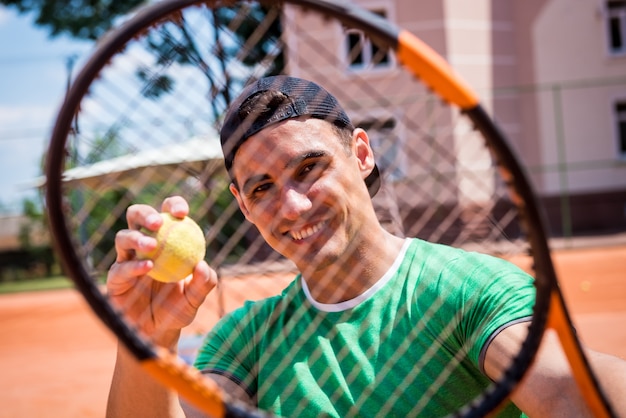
column 304, row 189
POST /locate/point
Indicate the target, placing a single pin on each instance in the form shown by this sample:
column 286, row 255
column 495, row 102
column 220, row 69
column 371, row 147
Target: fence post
column 566, row 218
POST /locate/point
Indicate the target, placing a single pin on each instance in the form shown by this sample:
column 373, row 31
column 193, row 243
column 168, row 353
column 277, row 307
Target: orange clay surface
column 56, row 359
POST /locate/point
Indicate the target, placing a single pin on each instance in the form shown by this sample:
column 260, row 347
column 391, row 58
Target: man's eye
column 261, row 188
column 307, row 169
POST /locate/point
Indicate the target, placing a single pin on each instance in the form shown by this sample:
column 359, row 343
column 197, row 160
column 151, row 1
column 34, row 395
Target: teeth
column 307, row 232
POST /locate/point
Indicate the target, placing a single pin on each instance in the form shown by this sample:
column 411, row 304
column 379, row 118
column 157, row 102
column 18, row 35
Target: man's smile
column 298, row 235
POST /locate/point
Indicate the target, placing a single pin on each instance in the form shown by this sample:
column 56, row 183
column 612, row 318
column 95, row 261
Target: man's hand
column 158, row 309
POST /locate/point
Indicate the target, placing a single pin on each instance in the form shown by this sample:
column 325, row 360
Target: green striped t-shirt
column 409, row 346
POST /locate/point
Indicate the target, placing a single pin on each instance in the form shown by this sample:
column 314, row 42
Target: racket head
column 141, row 122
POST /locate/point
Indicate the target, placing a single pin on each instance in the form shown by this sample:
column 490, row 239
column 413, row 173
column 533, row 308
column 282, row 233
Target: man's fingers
column 124, row 276
column 143, row 216
column 200, row 284
column 175, row 205
column 128, row 242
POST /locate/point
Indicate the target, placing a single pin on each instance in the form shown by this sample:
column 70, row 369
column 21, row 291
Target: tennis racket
column 141, row 121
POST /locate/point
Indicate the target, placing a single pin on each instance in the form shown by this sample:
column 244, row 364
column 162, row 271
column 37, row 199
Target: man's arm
column 549, row 389
column 611, row 372
column 134, row 393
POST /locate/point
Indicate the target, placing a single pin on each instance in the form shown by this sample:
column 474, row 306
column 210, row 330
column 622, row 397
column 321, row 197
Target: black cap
column 301, row 98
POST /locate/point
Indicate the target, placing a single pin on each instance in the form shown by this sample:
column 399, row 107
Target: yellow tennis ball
column 180, row 246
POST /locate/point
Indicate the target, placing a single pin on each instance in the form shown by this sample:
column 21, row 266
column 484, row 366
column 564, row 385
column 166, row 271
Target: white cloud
column 24, row 132
column 5, row 15
column 25, row 116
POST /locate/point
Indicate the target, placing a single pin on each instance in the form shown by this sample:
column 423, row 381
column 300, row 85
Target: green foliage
column 171, row 43
column 36, row 223
column 255, row 13
column 46, row 283
column 81, row 19
column 103, row 223
column 103, row 147
column 230, row 229
column 175, row 43
column 154, row 84
column 97, row 232
column 34, row 255
column 31, row 209
column 106, row 146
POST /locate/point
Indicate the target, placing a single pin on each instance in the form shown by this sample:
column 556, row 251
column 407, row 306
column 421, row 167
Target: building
column 551, row 72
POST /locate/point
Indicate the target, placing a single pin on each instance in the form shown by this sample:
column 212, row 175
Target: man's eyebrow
column 251, row 182
column 294, row 162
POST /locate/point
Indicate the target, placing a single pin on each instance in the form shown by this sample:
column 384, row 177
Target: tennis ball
column 180, row 246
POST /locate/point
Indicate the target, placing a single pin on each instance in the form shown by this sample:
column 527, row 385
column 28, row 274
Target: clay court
column 56, row 359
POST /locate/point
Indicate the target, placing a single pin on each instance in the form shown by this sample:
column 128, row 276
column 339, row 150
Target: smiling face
column 304, row 190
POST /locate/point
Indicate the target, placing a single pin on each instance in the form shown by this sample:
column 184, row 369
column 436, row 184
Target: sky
column 33, row 79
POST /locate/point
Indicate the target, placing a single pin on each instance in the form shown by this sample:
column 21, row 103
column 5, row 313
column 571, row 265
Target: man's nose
column 294, row 203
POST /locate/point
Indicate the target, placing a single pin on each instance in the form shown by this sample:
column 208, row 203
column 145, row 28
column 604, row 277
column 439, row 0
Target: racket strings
column 367, row 94
column 445, row 184
column 484, row 212
column 452, row 168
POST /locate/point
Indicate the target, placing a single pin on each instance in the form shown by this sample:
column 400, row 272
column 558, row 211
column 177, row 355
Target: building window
column 620, row 117
column 362, row 53
column 616, row 23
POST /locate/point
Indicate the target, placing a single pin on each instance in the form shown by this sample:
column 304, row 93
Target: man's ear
column 242, row 206
column 363, row 152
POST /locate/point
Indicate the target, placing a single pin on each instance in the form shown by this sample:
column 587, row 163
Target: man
column 374, row 322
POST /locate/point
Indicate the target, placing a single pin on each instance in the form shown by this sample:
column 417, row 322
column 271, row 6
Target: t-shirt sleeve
column 228, row 350
column 492, row 294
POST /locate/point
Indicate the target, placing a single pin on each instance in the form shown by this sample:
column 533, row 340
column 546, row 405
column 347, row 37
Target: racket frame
column 550, row 309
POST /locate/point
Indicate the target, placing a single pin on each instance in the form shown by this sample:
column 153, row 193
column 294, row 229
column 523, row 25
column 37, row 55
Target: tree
column 34, row 239
column 81, row 19
column 175, row 42
column 170, row 43
column 90, row 19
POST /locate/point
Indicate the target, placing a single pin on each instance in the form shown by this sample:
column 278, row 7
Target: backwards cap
column 303, row 98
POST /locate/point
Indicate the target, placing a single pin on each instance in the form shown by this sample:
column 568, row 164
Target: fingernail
column 178, row 208
column 153, row 219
